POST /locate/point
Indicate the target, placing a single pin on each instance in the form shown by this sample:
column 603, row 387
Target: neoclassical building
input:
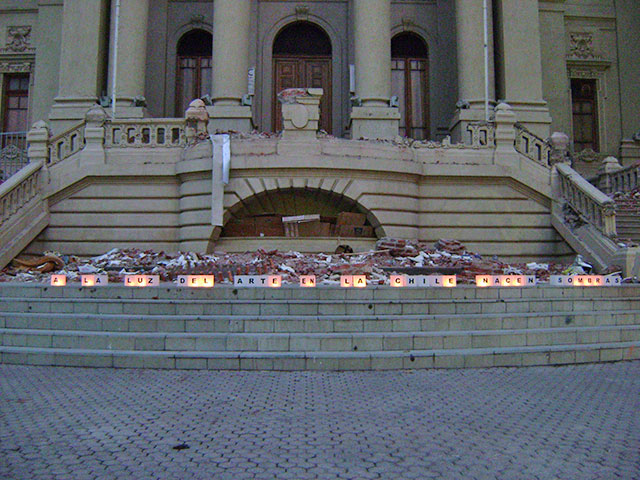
column 480, row 85
column 563, row 65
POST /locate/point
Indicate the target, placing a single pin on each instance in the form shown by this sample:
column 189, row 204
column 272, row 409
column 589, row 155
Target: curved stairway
column 317, row 329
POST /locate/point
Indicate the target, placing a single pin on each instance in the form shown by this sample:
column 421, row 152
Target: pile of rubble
column 389, row 256
column 627, row 204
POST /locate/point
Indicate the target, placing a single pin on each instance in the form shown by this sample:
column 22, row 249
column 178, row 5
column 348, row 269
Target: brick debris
column 390, row 256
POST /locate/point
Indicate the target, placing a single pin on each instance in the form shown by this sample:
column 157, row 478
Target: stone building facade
column 105, row 84
column 563, row 65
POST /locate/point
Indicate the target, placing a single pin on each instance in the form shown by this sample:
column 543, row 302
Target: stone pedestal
column 374, row 122
column 374, row 118
column 300, row 118
column 224, row 118
column 93, row 152
column 629, row 152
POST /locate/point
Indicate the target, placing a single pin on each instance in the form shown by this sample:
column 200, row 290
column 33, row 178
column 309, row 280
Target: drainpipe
column 486, row 61
column 115, row 60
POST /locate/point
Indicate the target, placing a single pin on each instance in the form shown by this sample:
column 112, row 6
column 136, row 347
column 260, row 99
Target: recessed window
column 585, row 114
column 16, row 102
column 194, row 68
column 410, row 83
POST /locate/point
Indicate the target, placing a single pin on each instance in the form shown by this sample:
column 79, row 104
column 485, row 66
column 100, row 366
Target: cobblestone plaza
column 546, row 423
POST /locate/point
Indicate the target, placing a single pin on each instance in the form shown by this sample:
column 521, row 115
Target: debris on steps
column 390, row 255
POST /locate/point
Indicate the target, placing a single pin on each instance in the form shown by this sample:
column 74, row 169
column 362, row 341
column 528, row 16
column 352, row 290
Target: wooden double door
column 302, row 72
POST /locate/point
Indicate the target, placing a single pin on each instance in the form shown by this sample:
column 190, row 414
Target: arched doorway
column 193, row 78
column 410, row 83
column 302, row 59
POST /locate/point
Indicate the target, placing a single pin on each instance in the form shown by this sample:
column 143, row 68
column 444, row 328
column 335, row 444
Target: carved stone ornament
column 15, row 67
column 302, row 11
column 581, row 46
column 18, row 39
column 407, row 22
column 587, row 155
column 609, row 209
column 197, row 19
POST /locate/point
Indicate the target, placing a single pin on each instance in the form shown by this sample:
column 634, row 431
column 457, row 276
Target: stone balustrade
column 591, row 204
column 481, row 135
column 19, row 190
column 149, row 132
column 532, row 146
column 66, row 144
column 624, row 180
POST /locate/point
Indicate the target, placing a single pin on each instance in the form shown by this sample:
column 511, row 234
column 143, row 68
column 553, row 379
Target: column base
column 629, row 152
column 226, row 118
column 67, row 112
column 374, row 122
column 461, row 120
column 534, row 116
column 128, row 111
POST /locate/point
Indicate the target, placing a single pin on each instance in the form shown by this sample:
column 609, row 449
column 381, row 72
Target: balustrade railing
column 531, row 146
column 591, row 204
column 482, row 134
column 13, row 153
column 624, row 180
column 19, row 190
column 162, row 132
column 66, row 144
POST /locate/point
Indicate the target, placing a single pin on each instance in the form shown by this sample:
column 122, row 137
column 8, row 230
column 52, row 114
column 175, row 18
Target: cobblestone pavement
column 575, row 422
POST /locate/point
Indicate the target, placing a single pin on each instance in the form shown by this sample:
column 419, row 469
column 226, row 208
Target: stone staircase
column 317, row 329
column 628, row 222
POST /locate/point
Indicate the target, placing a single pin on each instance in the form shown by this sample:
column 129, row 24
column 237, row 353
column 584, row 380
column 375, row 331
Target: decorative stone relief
column 587, row 155
column 302, row 12
column 581, row 46
column 15, row 67
column 197, row 20
column 18, row 40
column 407, row 23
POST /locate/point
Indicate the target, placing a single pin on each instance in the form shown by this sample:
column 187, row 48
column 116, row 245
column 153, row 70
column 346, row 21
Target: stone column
column 373, row 118
column 520, row 66
column 82, row 61
column 231, row 29
column 471, row 69
column 132, row 57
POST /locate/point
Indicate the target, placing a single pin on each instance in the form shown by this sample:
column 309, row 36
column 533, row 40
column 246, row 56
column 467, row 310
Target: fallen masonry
column 391, row 256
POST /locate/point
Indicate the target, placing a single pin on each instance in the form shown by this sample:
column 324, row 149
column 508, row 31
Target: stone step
column 315, row 323
column 305, row 342
column 290, row 307
column 375, row 360
column 169, row 292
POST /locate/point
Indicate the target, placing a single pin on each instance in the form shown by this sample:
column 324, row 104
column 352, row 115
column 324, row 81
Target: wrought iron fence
column 13, row 153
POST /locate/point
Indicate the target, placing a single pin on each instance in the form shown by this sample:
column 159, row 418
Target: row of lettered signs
column 355, row 281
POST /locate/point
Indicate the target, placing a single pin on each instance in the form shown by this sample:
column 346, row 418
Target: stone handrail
column 483, row 134
column 532, row 146
column 591, row 204
column 66, row 144
column 624, row 180
column 19, row 190
column 148, row 132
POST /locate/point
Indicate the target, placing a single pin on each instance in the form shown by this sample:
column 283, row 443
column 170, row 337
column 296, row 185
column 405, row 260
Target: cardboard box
column 314, row 229
column 351, row 218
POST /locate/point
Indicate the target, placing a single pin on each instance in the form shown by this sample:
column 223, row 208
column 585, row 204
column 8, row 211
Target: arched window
column 410, row 83
column 194, row 68
column 302, row 59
